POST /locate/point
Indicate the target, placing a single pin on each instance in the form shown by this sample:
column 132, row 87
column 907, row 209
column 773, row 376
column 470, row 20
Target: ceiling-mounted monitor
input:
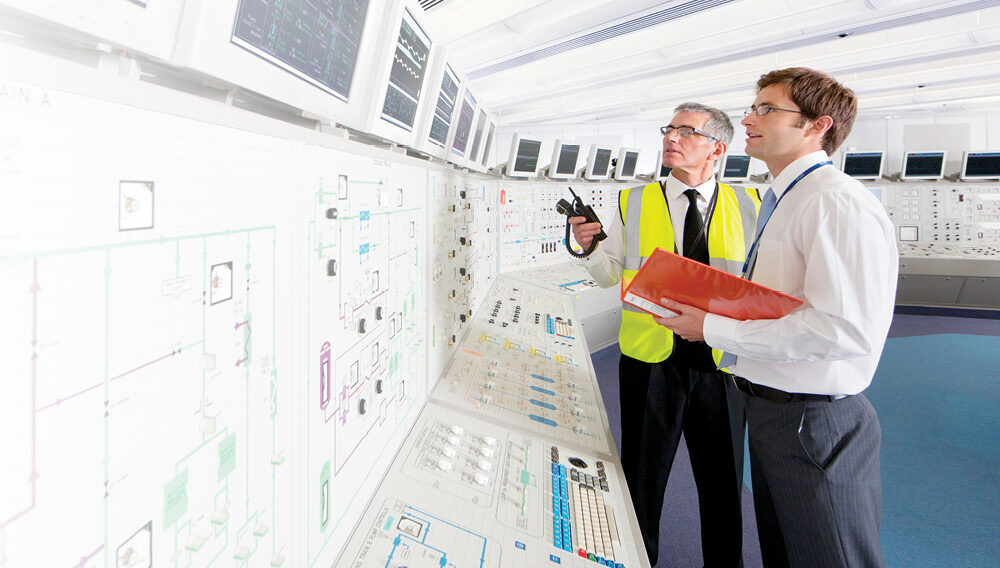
column 735, row 168
column 923, row 166
column 628, row 159
column 477, row 138
column 303, row 55
column 863, row 165
column 408, row 67
column 444, row 108
column 488, row 146
column 523, row 161
column 598, row 163
column 565, row 156
column 980, row 166
column 136, row 26
column 463, row 128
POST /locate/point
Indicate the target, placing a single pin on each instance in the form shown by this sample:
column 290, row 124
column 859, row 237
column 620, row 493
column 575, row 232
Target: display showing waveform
column 415, row 72
column 416, row 52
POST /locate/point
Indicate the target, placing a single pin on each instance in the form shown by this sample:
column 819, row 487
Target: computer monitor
column 488, row 148
column 735, row 167
column 660, row 172
column 863, row 165
column 141, row 26
column 408, row 64
column 980, row 165
column 565, row 156
column 444, row 110
column 523, row 161
column 598, row 163
column 248, row 44
column 923, row 166
column 466, row 115
column 477, row 138
column 628, row 158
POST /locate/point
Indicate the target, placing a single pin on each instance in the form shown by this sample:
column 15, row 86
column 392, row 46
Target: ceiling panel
column 568, row 61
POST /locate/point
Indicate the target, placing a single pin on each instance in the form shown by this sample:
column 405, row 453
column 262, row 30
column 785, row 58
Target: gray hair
column 718, row 124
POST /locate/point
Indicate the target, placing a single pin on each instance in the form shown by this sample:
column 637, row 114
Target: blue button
column 555, row 559
column 518, row 544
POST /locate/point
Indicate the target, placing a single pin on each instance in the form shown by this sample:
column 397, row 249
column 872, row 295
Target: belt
column 775, row 395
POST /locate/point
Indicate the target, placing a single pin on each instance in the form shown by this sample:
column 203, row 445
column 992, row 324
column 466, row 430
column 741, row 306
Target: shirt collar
column 675, row 188
column 793, row 170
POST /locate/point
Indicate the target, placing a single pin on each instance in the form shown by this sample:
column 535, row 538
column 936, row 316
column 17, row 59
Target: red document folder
column 669, row 275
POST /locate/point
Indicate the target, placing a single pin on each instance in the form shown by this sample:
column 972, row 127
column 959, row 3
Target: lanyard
column 760, row 229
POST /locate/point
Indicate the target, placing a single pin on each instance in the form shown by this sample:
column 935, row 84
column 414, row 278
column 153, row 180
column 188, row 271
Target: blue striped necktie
column 767, row 206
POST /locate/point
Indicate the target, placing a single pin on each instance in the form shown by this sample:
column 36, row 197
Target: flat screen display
column 628, row 166
column 317, row 42
column 489, row 144
column 924, row 164
column 478, row 138
column 863, row 164
column 982, row 164
column 465, row 117
column 568, row 156
column 737, row 167
column 406, row 77
column 526, row 159
column 444, row 109
column 601, row 162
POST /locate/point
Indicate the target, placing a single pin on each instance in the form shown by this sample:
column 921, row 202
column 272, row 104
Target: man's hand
column 688, row 324
column 584, row 232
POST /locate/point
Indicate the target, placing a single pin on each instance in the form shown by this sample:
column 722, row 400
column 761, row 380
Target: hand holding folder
column 668, row 275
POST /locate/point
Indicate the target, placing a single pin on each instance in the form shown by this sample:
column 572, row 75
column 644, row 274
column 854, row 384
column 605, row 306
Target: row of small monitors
column 525, row 162
column 917, row 166
column 922, row 165
column 364, row 64
column 601, row 163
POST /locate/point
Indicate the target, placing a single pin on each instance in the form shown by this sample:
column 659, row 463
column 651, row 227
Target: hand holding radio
column 587, row 228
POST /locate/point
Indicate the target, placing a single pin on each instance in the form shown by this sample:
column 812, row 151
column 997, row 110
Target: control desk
column 511, row 462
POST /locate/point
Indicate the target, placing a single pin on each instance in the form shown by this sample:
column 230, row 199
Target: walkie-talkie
column 579, row 209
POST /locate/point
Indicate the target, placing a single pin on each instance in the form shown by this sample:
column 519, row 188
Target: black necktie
column 695, row 248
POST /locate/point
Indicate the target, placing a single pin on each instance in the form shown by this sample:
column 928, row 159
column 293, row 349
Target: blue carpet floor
column 937, row 394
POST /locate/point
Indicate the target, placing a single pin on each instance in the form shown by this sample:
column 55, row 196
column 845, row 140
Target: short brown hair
column 818, row 94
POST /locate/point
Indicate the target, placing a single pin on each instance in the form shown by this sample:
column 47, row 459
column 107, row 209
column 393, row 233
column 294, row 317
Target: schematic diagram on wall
column 179, row 381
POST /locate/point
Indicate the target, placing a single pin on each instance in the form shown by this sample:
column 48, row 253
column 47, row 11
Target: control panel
column 524, row 361
column 468, row 491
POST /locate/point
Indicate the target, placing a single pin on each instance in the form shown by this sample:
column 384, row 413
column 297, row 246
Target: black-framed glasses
column 764, row 110
column 685, row 132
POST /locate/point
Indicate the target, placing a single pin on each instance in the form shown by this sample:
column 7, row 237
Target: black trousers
column 817, row 485
column 659, row 401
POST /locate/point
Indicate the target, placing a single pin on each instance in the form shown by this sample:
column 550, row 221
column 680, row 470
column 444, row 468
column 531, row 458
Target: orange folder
column 669, row 275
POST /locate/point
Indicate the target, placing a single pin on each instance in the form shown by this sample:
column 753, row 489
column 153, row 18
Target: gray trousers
column 816, row 482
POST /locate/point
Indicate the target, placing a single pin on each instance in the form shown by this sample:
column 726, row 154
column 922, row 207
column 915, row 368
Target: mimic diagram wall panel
column 532, row 232
column 524, row 361
column 468, row 492
column 464, row 257
column 217, row 338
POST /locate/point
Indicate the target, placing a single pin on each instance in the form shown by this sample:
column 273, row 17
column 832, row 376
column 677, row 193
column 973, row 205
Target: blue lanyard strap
column 761, row 223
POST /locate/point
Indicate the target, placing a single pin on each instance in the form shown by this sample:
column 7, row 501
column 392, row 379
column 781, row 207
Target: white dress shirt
column 831, row 244
column 606, row 263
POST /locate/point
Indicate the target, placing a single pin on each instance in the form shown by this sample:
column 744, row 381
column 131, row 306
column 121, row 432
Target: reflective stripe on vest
column 647, row 227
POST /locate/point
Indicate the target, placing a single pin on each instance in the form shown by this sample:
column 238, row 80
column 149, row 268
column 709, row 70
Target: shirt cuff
column 720, row 332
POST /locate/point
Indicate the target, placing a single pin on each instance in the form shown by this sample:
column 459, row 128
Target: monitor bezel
column 881, row 165
column 935, row 177
column 965, row 162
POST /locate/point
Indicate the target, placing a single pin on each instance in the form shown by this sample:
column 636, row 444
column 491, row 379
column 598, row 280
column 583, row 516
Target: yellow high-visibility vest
column 646, row 217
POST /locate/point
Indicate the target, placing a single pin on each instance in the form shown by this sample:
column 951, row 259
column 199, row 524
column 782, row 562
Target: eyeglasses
column 685, row 132
column 763, row 110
